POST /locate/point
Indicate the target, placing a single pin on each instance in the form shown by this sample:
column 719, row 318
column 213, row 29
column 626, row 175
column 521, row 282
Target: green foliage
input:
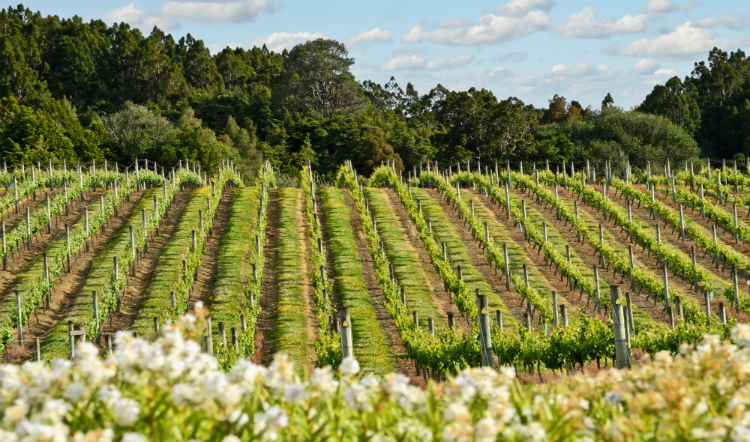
column 316, row 78
column 370, row 345
column 617, row 136
column 327, row 347
column 137, row 132
column 86, row 90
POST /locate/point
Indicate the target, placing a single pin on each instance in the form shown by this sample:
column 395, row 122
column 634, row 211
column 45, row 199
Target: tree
column 136, row 132
column 30, row 135
column 676, row 101
column 723, row 95
column 557, row 110
column 608, row 101
column 639, row 137
column 316, row 78
column 198, row 67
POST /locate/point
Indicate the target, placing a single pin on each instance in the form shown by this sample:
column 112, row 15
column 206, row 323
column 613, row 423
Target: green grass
column 291, row 335
column 405, row 260
column 516, row 254
column 556, row 238
column 620, row 250
column 99, row 279
column 168, row 272
column 370, row 345
column 445, row 232
column 233, row 278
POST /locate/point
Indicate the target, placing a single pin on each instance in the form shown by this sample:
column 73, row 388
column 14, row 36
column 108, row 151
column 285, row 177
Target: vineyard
column 537, row 276
column 425, row 272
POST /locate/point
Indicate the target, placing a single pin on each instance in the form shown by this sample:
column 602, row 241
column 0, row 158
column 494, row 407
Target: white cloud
column 139, row 18
column 562, row 79
column 511, row 20
column 685, row 40
column 278, row 41
column 415, row 62
column 375, row 35
column 239, row 11
column 498, row 70
column 219, row 11
column 660, row 6
column 517, row 8
column 403, row 63
column 645, row 66
column 585, row 25
column 727, row 21
column 453, row 62
column 665, row 72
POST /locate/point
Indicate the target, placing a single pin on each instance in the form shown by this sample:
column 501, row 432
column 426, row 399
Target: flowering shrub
column 169, row 390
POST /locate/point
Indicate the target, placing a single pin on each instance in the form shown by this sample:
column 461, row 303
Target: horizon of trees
column 77, row 90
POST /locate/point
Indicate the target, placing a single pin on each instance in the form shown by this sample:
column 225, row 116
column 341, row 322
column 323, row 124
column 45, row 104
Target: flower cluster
column 169, row 389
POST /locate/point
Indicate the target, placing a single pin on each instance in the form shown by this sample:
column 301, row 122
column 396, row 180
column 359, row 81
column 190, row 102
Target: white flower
column 185, row 394
column 109, row 394
column 613, row 397
column 457, row 432
column 456, row 412
column 269, row 423
column 86, row 351
column 15, row 412
column 53, row 411
column 741, row 335
column 247, row 374
column 75, row 391
column 96, row 435
column 357, row 396
column 700, row 408
column 280, row 372
column 485, row 430
column 296, row 393
column 323, row 381
column 349, row 366
column 7, row 436
column 741, row 433
column 34, row 431
column 535, row 432
column 230, row 437
column 125, row 412
column 133, row 437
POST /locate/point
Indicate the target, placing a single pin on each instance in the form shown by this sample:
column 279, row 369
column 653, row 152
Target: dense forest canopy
column 77, row 90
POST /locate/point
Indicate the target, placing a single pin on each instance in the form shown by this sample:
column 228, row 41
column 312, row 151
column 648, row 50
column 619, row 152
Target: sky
column 530, row 49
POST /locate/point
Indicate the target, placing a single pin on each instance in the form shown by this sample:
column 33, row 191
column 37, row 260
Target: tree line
column 85, row 90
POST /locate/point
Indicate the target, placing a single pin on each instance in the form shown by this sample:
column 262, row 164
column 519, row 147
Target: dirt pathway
column 442, row 299
column 202, row 288
column 387, row 324
column 640, row 257
column 13, row 219
column 269, row 286
column 20, row 258
column 135, row 289
column 589, row 254
column 68, row 284
column 550, row 278
column 513, row 302
column 335, row 300
column 306, row 290
column 725, row 235
column 673, row 237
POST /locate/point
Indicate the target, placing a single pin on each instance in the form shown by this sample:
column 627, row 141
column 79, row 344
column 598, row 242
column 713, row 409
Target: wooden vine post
column 485, row 340
column 622, row 350
column 347, row 346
